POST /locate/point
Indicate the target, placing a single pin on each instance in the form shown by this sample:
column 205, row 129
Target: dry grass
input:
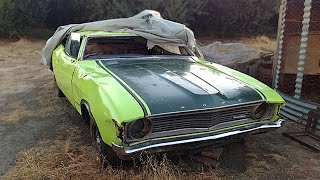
column 62, row 160
column 263, row 43
column 159, row 168
column 67, row 160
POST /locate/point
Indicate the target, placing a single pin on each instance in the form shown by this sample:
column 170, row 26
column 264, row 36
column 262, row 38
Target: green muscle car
column 140, row 99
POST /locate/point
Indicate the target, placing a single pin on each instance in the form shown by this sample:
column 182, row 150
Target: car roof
column 103, row 33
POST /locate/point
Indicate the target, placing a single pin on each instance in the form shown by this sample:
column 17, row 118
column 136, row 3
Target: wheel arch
column 106, row 127
column 85, row 111
column 84, row 104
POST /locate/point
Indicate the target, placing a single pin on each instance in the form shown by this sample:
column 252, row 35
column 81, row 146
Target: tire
column 107, row 155
column 59, row 93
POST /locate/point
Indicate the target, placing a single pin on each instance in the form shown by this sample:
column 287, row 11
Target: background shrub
column 205, row 17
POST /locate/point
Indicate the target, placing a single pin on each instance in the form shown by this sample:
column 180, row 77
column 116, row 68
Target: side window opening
column 72, row 45
column 64, row 41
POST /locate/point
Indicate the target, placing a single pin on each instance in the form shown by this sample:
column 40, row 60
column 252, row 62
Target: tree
column 205, row 17
column 15, row 15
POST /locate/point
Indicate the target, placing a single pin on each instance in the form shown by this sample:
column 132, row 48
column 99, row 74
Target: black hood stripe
column 123, row 85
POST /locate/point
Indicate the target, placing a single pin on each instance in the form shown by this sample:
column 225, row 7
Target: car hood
column 174, row 85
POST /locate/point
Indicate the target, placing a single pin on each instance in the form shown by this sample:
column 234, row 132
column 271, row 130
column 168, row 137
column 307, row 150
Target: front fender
column 270, row 95
column 110, row 103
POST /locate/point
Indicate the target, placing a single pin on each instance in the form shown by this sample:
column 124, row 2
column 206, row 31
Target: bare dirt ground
column 43, row 137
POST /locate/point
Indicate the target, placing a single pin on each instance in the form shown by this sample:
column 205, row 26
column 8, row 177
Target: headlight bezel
column 263, row 111
column 139, row 132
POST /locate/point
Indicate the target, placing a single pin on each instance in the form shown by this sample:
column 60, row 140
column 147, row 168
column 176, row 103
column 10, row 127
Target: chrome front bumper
column 126, row 152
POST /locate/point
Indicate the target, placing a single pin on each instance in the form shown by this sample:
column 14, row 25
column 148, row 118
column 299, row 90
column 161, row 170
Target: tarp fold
column 148, row 24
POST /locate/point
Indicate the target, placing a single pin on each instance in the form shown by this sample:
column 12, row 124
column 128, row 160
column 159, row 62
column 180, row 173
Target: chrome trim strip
column 125, row 34
column 265, row 126
column 232, row 106
column 85, row 41
column 144, row 57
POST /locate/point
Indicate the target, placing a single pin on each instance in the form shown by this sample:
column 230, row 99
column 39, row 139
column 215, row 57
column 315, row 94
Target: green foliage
column 15, row 15
column 205, row 17
column 243, row 16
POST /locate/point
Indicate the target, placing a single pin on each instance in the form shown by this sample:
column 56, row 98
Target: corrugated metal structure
column 297, row 62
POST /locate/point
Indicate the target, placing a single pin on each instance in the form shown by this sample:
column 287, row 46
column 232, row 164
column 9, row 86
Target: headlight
column 139, row 128
column 261, row 111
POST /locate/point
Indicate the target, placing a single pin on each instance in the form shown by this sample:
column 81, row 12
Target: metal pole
column 303, row 47
column 278, row 56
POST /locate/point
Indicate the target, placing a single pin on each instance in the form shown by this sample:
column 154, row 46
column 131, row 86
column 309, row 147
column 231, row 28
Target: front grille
column 199, row 119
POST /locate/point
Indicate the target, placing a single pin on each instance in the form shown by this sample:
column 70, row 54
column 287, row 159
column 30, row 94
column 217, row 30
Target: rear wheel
column 58, row 90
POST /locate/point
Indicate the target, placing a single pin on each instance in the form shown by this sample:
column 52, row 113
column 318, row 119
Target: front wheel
column 107, row 155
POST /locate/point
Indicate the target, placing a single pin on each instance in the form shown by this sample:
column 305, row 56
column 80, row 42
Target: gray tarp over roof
column 148, row 24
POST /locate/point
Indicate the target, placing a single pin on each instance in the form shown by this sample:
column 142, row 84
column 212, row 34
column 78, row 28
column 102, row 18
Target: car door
column 66, row 62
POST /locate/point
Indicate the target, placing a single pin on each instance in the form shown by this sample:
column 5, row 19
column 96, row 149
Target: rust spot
column 115, row 123
column 120, row 132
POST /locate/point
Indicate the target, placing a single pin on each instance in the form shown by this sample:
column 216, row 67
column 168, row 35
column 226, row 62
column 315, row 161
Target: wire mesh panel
column 311, row 78
column 291, row 46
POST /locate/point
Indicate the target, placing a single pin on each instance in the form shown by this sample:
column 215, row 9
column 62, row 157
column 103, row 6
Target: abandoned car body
column 138, row 99
column 142, row 85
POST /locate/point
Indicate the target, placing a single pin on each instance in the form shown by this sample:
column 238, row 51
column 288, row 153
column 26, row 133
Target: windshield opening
column 128, row 46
